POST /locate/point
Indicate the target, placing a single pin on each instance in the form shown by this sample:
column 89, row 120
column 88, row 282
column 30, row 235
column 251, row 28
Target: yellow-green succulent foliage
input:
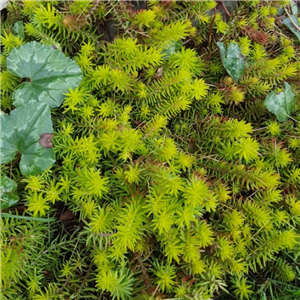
column 171, row 180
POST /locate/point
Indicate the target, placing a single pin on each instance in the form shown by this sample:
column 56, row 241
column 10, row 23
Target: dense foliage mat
column 174, row 168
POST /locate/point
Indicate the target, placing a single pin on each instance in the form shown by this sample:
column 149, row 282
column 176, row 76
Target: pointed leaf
column 294, row 7
column 22, row 131
column 50, row 74
column 233, row 60
column 288, row 23
column 7, row 193
column 19, row 29
column 281, row 104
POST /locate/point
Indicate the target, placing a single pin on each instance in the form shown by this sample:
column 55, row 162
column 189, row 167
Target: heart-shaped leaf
column 281, row 104
column 233, row 60
column 7, row 193
column 50, row 74
column 21, row 132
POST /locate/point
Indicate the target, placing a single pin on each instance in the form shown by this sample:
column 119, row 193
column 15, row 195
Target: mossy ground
column 171, row 181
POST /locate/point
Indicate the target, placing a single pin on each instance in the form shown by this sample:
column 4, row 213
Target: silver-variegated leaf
column 281, row 104
column 50, row 73
column 21, row 132
column 7, row 192
column 233, row 60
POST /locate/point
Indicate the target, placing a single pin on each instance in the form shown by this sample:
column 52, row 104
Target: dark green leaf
column 233, row 60
column 19, row 29
column 171, row 49
column 21, row 132
column 294, row 7
column 7, row 193
column 288, row 23
column 50, row 74
column 281, row 104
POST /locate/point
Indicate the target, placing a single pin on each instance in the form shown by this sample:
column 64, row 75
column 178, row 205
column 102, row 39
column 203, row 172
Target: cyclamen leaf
column 288, row 23
column 21, row 132
column 19, row 29
column 294, row 7
column 50, row 72
column 171, row 49
column 7, row 193
column 281, row 104
column 233, row 60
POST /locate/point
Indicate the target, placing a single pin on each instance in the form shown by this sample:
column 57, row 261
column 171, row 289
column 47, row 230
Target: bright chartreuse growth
column 174, row 168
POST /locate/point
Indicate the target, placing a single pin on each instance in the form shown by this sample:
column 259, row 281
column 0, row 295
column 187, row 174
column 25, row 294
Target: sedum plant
column 172, row 179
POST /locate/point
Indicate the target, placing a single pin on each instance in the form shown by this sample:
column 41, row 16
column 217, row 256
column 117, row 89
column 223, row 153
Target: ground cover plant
column 150, row 150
